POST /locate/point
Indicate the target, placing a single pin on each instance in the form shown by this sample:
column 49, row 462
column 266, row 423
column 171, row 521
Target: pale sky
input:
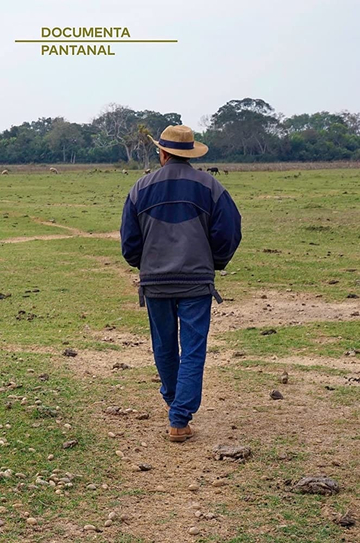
column 300, row 56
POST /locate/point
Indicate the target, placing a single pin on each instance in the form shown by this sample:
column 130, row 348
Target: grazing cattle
column 226, row 172
column 53, row 170
column 148, row 170
column 125, row 172
column 200, row 169
column 5, row 172
column 214, row 170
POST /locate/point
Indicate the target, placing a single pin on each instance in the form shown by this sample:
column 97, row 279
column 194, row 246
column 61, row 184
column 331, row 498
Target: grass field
column 291, row 302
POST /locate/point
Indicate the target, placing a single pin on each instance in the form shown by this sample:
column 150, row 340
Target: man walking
column 179, row 225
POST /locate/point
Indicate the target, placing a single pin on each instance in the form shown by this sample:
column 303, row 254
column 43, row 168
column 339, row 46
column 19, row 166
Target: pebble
column 145, row 467
column 67, row 426
column 20, row 475
column 111, row 434
column 91, row 487
column 3, row 510
column 218, row 482
column 120, row 454
column 89, row 528
column 40, row 481
column 134, row 467
column 143, row 444
column 51, row 457
column 198, row 514
column 31, row 521
column 195, row 505
column 108, row 523
column 193, row 487
column 194, row 531
column 31, row 449
column 160, row 488
column 2, row 523
column 59, row 492
column 143, row 416
column 70, row 444
column 105, row 486
column 112, row 515
column 124, row 518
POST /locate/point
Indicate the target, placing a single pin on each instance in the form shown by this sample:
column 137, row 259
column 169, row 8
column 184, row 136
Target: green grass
column 312, row 222
column 298, row 234
column 331, row 339
column 30, row 429
column 81, row 282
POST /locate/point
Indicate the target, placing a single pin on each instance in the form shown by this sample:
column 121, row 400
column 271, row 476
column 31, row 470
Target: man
column 179, row 225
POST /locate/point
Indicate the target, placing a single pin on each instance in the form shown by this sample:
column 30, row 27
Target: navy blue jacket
column 179, row 225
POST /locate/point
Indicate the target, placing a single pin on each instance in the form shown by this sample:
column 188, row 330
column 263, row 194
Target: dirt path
column 72, row 233
column 158, row 504
column 309, row 426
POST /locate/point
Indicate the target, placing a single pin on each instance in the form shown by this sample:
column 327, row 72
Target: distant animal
column 226, row 172
column 200, row 169
column 214, row 170
column 53, row 170
column 148, row 170
column 125, row 172
column 5, row 172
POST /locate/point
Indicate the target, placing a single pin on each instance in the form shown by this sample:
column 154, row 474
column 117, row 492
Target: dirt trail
column 272, row 308
column 72, row 233
column 236, row 408
column 159, row 505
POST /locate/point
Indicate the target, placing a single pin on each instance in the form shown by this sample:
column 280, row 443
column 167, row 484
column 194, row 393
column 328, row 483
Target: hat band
column 185, row 145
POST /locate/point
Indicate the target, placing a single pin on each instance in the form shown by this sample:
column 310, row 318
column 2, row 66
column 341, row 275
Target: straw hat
column 179, row 141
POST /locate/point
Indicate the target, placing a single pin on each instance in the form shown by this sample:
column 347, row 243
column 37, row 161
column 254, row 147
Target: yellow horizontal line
column 96, row 41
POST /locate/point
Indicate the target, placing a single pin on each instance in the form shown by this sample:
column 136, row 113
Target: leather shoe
column 180, row 434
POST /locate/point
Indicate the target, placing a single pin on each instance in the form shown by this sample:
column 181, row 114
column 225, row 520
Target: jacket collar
column 177, row 161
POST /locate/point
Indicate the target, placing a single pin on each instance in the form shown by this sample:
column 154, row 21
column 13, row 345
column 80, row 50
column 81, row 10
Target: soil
column 157, row 504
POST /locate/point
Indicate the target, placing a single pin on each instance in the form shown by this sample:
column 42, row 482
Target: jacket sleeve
column 131, row 237
column 225, row 230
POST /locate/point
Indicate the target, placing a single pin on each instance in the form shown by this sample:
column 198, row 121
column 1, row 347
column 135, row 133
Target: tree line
column 247, row 130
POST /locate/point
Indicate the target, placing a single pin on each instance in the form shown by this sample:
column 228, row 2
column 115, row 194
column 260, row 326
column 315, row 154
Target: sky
column 299, row 56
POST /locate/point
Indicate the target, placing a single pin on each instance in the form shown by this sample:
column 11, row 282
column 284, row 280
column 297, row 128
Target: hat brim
column 200, row 149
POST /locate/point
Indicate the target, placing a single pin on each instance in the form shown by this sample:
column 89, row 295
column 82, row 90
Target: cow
column 214, row 170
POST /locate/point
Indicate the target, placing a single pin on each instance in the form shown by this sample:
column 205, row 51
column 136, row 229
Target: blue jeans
column 181, row 375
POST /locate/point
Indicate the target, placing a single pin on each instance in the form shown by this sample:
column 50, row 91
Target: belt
column 213, row 292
